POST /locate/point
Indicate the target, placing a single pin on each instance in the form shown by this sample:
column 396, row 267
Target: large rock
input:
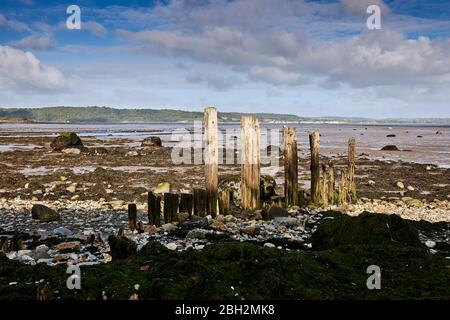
column 390, row 147
column 121, row 247
column 66, row 140
column 367, row 229
column 152, row 142
column 43, row 213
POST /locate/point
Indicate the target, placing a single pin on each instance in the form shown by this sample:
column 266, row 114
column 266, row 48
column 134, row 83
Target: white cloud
column 34, row 42
column 23, row 71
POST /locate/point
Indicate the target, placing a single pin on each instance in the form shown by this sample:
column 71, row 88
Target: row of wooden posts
column 323, row 191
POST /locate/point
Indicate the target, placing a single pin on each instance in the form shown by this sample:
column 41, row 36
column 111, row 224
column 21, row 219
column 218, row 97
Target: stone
column 217, row 225
column 390, row 147
column 269, row 245
column 167, row 227
column 391, row 136
column 400, row 185
column 286, row 221
column 72, row 188
column 229, row 218
column 73, row 151
column 43, row 213
column 152, row 142
column 197, row 234
column 371, row 183
column 131, row 154
column 172, row 246
column 63, row 231
column 66, row 140
column 71, row 245
column 121, row 247
column 163, row 187
column 250, row 230
column 430, row 243
column 410, row 188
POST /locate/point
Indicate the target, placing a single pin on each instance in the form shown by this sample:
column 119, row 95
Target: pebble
column 269, row 245
column 430, row 243
column 172, row 246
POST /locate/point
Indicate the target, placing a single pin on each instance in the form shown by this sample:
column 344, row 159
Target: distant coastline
column 99, row 115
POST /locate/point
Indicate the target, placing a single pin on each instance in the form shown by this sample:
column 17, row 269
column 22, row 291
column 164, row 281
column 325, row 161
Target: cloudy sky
column 310, row 58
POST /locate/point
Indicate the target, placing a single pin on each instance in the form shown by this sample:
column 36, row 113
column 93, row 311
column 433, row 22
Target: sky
column 309, row 58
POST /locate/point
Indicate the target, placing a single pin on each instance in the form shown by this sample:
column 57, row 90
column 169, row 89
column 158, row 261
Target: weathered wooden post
column 324, row 186
column 154, row 209
column 199, row 202
column 186, row 203
column 314, row 143
column 290, row 166
column 211, row 159
column 170, row 207
column 224, row 202
column 250, row 164
column 351, row 169
column 132, row 216
column 331, row 187
column 342, row 188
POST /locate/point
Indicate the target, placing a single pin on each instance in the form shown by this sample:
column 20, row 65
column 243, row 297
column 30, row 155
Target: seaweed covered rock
column 66, row 140
column 367, row 229
column 151, row 142
column 267, row 185
column 390, row 147
column 43, row 213
column 121, row 247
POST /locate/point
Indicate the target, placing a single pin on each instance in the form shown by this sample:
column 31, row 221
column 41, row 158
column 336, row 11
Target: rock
column 430, row 244
column 269, row 245
column 400, row 185
column 390, row 147
column 183, row 216
column 163, row 187
column 63, row 231
column 250, row 230
column 66, row 140
column 24, row 252
column 172, row 246
column 410, row 188
column 151, row 228
column 217, row 225
column 197, row 234
column 72, row 188
column 151, row 142
column 274, row 211
column 370, row 229
column 121, row 247
column 74, row 151
column 391, row 136
column 371, row 183
column 100, row 150
column 43, row 213
column 131, row 154
column 229, row 218
column 118, row 203
column 71, row 245
column 286, row 221
column 167, row 227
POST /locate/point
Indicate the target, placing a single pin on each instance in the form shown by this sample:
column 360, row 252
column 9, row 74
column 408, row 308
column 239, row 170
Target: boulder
column 367, row 229
column 66, row 140
column 151, row 142
column 73, row 151
column 71, row 245
column 43, row 213
column 274, row 212
column 390, row 147
column 121, row 247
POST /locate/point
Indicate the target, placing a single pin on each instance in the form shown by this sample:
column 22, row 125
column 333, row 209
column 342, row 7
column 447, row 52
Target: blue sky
column 310, row 58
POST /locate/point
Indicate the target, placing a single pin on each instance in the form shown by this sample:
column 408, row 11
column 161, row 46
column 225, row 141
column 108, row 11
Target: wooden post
column 250, row 165
column 331, row 187
column 211, row 160
column 132, row 216
column 342, row 188
column 224, row 202
column 154, row 209
column 170, row 207
column 140, row 227
column 290, row 166
column 186, row 203
column 314, row 142
column 301, row 198
column 351, row 169
column 324, row 186
column 199, row 202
